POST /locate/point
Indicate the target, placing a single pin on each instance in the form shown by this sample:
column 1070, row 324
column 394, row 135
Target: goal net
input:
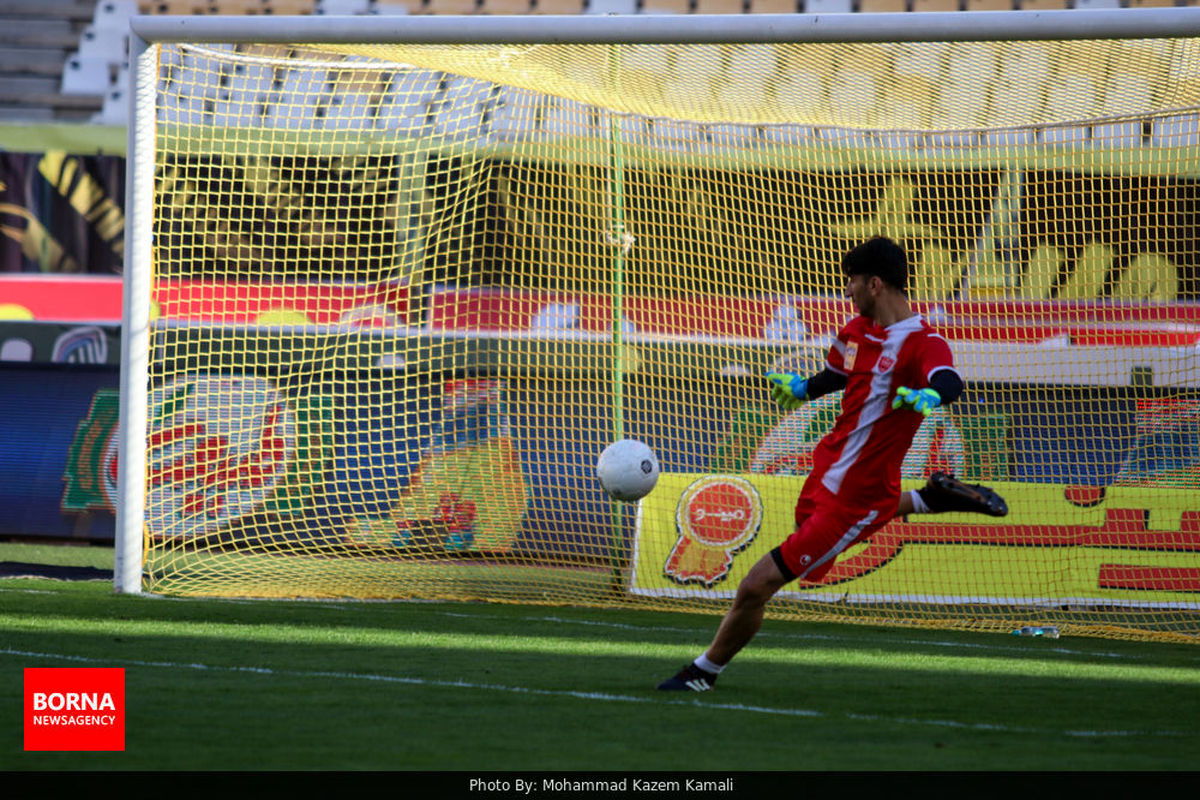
column 400, row 297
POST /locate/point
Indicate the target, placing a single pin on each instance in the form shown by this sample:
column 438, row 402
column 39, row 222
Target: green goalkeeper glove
column 920, row 400
column 788, row 389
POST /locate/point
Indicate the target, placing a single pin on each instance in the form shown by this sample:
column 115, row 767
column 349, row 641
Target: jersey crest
column 851, row 355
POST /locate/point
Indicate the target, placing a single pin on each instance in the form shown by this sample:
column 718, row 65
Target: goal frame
column 146, row 31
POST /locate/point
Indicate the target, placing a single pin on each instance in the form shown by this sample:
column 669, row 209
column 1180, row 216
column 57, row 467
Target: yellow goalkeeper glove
column 920, row 400
column 788, row 389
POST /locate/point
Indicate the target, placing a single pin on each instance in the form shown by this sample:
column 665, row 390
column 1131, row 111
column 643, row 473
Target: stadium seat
column 773, row 7
column 291, row 7
column 718, row 7
column 684, row 89
column 723, row 136
column 114, row 14
column 1118, row 134
column 633, row 129
column 756, row 62
column 641, row 60
column 403, row 116
column 299, row 83
column 1151, row 3
column 233, row 8
column 558, row 7
column 179, row 7
column 935, row 5
column 456, row 7
column 827, row 6
column 568, row 118
column 409, row 93
column 180, row 109
column 612, row 7
column 1014, row 99
column 903, row 105
column 970, row 64
column 704, row 60
column 108, row 44
column 295, row 7
column 925, row 61
column 88, row 76
column 1025, row 62
column 242, row 109
column 505, row 7
column 1180, row 131
column 460, row 115
column 803, row 92
column 342, row 7
column 666, row 6
column 1065, row 135
column 1072, row 95
column 1127, row 93
column 852, row 94
column 787, row 134
column 842, row 137
column 960, row 104
column 1043, row 5
column 514, row 114
column 115, row 110
column 882, row 6
column 1012, row 137
column 680, row 135
column 236, row 8
column 1097, row 3
column 353, row 111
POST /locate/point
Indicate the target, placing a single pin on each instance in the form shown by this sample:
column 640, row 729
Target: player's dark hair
column 879, row 256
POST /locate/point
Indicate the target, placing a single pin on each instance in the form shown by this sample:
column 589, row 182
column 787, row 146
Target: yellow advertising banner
column 698, row 535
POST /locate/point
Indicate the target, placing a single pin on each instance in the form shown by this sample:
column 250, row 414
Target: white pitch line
column 808, row 636
column 600, row 696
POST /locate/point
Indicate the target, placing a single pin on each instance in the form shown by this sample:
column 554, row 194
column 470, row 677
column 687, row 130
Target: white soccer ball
column 627, row 469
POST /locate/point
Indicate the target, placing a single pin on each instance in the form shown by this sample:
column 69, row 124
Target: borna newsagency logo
column 74, row 709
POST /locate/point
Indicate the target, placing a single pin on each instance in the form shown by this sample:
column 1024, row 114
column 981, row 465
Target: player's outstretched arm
column 791, row 390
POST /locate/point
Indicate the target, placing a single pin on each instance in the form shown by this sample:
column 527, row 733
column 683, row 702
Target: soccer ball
column 627, row 470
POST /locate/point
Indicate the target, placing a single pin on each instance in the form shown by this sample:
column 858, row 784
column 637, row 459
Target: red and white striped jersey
column 859, row 460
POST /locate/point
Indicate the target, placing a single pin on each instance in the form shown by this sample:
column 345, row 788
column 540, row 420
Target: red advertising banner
column 97, row 299
column 1107, row 323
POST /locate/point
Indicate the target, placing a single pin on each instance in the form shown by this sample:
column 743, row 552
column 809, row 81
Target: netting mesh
column 404, row 295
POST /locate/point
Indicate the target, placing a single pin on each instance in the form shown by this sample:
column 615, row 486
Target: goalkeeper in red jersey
column 893, row 369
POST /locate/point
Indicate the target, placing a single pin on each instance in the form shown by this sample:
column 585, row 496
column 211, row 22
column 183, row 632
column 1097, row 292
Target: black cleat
column 689, row 679
column 946, row 493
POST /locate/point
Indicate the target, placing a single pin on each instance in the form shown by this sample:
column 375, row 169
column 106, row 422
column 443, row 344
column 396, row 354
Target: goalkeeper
column 893, row 369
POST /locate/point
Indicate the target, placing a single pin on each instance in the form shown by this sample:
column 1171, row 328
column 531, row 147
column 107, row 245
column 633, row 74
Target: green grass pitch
column 274, row 685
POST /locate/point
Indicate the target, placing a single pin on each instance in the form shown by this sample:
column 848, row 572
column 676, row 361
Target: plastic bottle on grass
column 1045, row 631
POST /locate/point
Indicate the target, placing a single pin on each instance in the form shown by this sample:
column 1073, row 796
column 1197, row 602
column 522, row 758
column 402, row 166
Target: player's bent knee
column 762, row 582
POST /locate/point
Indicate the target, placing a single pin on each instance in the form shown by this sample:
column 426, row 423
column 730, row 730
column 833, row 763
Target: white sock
column 703, row 663
column 919, row 506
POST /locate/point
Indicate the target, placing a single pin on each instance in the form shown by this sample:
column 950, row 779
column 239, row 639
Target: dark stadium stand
column 36, row 36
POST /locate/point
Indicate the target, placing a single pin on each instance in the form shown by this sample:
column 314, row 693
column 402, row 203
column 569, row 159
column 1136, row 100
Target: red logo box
column 74, row 709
